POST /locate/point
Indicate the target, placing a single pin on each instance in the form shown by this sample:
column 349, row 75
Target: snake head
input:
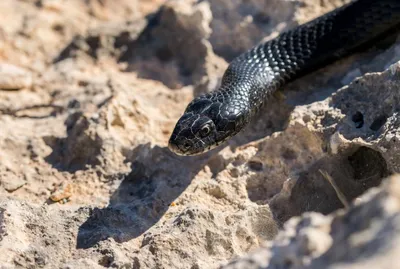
column 204, row 125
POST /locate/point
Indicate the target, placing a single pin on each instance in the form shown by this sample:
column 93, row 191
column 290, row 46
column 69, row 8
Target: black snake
column 211, row 119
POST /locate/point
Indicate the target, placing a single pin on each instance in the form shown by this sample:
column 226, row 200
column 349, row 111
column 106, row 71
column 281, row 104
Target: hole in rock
column 378, row 123
column 369, row 166
column 358, row 119
column 353, row 172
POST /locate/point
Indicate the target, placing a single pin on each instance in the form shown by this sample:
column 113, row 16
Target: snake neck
column 256, row 74
column 213, row 118
column 246, row 85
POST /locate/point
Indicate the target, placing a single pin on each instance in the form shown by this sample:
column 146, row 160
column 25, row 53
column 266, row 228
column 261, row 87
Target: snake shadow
column 156, row 179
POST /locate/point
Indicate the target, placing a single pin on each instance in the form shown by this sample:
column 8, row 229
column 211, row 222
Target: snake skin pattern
column 211, row 119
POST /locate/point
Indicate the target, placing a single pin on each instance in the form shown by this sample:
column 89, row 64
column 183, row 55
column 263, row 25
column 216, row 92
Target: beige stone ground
column 90, row 92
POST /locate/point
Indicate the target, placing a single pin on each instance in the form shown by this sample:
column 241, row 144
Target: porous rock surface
column 87, row 180
column 339, row 240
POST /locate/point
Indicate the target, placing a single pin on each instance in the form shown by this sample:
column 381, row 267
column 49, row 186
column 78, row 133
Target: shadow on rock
column 173, row 48
column 80, row 149
column 157, row 178
column 353, row 172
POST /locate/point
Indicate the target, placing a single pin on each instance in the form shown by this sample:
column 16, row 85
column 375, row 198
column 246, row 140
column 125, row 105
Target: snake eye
column 205, row 130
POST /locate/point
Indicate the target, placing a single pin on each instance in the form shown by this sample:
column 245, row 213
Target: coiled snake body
column 211, row 119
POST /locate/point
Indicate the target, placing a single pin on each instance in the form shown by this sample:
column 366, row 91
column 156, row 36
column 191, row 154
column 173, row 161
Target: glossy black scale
column 211, row 119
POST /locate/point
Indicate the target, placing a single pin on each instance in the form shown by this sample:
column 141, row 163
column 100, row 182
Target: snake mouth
column 178, row 151
column 179, row 148
column 175, row 149
column 185, row 149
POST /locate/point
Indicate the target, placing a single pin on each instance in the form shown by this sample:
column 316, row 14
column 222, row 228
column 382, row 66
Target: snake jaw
column 174, row 147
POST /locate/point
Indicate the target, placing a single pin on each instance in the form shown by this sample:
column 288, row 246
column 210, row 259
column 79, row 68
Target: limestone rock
column 365, row 236
column 14, row 78
column 87, row 180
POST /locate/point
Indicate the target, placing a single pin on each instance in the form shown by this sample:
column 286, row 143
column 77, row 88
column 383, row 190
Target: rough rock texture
column 364, row 236
column 90, row 92
column 13, row 77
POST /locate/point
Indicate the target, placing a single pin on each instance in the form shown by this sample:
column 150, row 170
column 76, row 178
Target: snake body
column 211, row 119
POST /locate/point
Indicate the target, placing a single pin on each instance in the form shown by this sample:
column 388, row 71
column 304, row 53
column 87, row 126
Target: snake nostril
column 187, row 145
